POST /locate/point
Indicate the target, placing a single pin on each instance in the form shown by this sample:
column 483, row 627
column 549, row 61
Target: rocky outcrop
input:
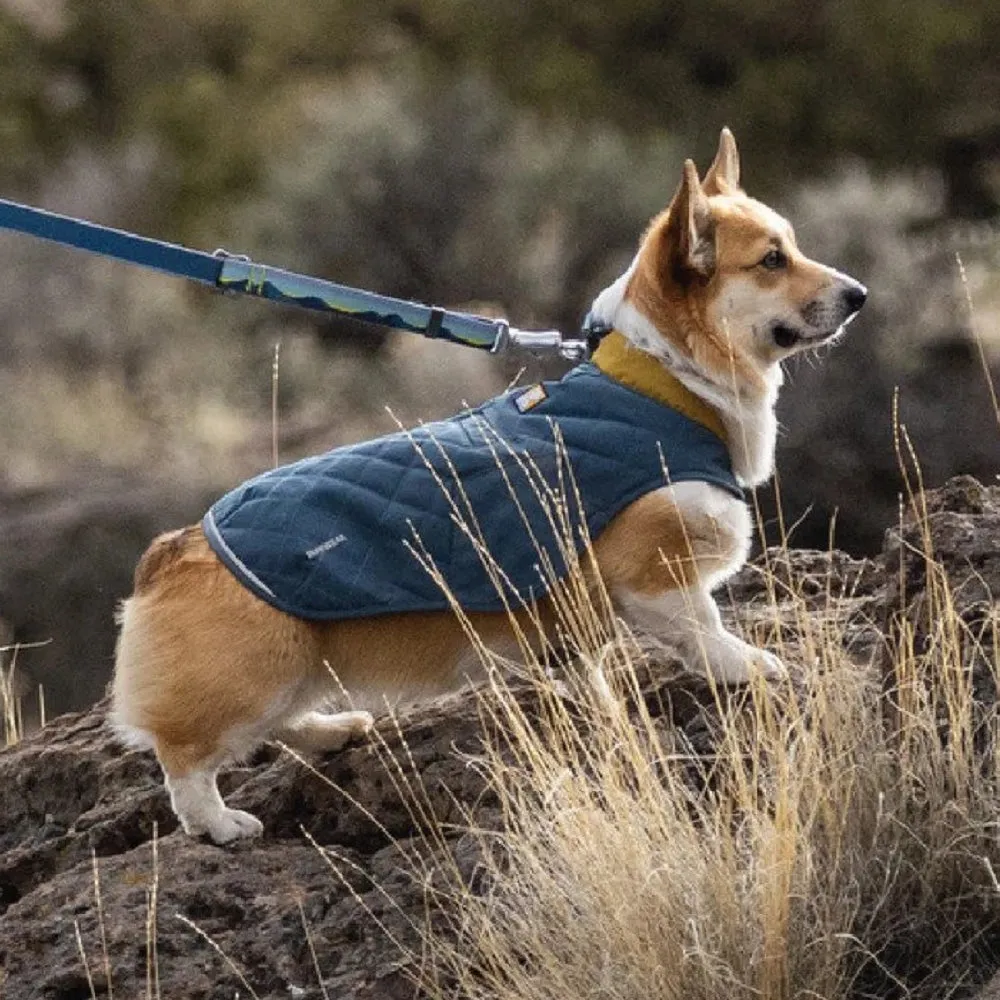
column 74, row 804
column 100, row 893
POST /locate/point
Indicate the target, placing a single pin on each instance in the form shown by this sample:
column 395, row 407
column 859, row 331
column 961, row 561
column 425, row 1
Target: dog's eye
column 773, row 260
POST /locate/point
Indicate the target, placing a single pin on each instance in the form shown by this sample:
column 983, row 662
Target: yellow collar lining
column 640, row 371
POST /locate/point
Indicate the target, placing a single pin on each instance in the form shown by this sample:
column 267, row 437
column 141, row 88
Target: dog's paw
column 235, row 824
column 226, row 826
column 769, row 666
column 324, row 732
column 359, row 723
column 737, row 662
column 336, row 731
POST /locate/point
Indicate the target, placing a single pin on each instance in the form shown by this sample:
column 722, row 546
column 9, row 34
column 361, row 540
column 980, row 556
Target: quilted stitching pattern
column 326, row 537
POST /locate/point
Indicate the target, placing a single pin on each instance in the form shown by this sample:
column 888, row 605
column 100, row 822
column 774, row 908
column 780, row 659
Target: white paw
column 738, row 662
column 232, row 824
column 768, row 665
column 359, row 723
column 324, row 732
column 331, row 732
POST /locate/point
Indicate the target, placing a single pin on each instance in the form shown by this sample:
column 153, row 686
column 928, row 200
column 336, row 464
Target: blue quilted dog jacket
column 336, row 535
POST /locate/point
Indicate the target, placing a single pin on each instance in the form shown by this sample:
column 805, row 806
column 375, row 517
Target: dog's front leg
column 661, row 559
column 689, row 620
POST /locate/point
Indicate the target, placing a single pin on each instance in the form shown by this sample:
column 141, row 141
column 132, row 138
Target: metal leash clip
column 225, row 254
column 539, row 342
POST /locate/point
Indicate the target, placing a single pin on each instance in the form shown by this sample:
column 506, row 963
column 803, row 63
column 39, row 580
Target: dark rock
column 942, row 564
column 953, row 535
column 73, row 802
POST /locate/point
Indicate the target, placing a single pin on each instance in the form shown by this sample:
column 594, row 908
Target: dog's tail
column 130, row 651
column 164, row 550
column 156, row 575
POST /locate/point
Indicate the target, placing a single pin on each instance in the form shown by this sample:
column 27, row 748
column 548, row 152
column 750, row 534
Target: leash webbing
column 232, row 273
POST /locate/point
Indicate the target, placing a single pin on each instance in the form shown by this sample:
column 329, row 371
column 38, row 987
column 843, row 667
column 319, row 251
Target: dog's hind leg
column 204, row 672
column 195, row 798
column 316, row 732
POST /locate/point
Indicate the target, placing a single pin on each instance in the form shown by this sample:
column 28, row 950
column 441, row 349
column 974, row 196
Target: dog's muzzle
column 823, row 318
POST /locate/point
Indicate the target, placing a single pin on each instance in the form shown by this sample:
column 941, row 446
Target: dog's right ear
column 691, row 229
column 723, row 175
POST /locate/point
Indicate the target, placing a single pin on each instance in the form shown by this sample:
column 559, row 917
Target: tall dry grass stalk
column 10, row 700
column 977, row 336
column 12, row 712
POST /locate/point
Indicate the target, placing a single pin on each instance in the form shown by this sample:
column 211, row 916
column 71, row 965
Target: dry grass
column 840, row 842
column 12, row 694
column 837, row 838
column 10, row 702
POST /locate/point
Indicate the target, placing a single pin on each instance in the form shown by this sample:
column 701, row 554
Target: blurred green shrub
column 214, row 86
column 901, row 81
column 210, row 85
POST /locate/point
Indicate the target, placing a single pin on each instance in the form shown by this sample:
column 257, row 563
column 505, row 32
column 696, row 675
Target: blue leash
column 232, row 273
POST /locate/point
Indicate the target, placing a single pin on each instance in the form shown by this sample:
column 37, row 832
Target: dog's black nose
column 855, row 295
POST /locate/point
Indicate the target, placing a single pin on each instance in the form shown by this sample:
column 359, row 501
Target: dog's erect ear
column 691, row 229
column 723, row 175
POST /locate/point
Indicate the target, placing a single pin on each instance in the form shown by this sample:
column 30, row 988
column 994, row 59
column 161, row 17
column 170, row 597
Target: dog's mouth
column 821, row 323
column 788, row 337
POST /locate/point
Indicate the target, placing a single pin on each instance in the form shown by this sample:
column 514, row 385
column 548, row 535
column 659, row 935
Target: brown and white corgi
column 717, row 296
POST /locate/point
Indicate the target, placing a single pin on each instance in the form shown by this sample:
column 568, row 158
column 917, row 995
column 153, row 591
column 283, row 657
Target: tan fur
column 205, row 669
column 651, row 547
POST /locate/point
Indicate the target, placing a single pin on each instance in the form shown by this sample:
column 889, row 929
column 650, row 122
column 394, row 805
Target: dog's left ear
column 691, row 229
column 723, row 175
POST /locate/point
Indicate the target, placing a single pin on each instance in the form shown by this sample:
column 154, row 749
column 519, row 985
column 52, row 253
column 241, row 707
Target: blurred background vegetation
column 500, row 155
